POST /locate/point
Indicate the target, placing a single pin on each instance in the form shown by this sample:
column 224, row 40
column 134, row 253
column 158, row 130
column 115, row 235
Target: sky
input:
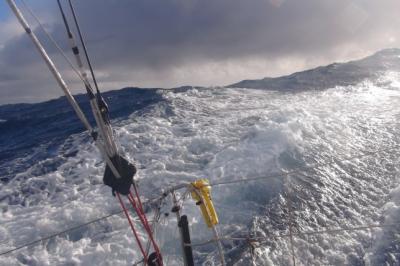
column 171, row 43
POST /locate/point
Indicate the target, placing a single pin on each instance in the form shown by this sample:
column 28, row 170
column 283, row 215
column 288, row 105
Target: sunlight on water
column 226, row 134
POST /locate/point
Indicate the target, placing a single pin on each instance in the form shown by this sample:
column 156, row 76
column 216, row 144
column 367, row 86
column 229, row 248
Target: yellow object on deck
column 201, row 193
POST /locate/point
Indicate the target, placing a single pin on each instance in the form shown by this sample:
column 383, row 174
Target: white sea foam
column 226, row 134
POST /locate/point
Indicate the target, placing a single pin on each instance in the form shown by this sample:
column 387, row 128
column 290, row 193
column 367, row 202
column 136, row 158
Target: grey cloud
column 154, row 42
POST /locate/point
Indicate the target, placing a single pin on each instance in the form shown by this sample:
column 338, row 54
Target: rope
column 140, row 205
column 133, row 229
column 139, row 211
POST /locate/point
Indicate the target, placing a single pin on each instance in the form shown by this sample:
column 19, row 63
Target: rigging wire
column 84, row 46
column 74, row 47
column 116, row 213
column 227, row 183
column 54, row 42
column 307, row 233
column 299, row 170
column 61, row 232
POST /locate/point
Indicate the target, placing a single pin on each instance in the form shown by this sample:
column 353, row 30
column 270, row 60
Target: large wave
column 53, row 180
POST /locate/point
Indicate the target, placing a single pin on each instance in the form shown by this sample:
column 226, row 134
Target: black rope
column 84, row 47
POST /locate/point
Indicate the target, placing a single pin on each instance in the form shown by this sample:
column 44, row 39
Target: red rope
column 133, row 228
column 140, row 212
column 141, row 216
column 140, row 206
column 137, row 196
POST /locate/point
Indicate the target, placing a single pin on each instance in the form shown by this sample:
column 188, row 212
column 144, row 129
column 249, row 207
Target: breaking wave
column 52, row 182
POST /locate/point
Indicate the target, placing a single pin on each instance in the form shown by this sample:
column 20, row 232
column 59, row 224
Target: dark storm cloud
column 203, row 42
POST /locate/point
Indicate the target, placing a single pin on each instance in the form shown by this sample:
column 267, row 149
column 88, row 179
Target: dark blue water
column 34, row 132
